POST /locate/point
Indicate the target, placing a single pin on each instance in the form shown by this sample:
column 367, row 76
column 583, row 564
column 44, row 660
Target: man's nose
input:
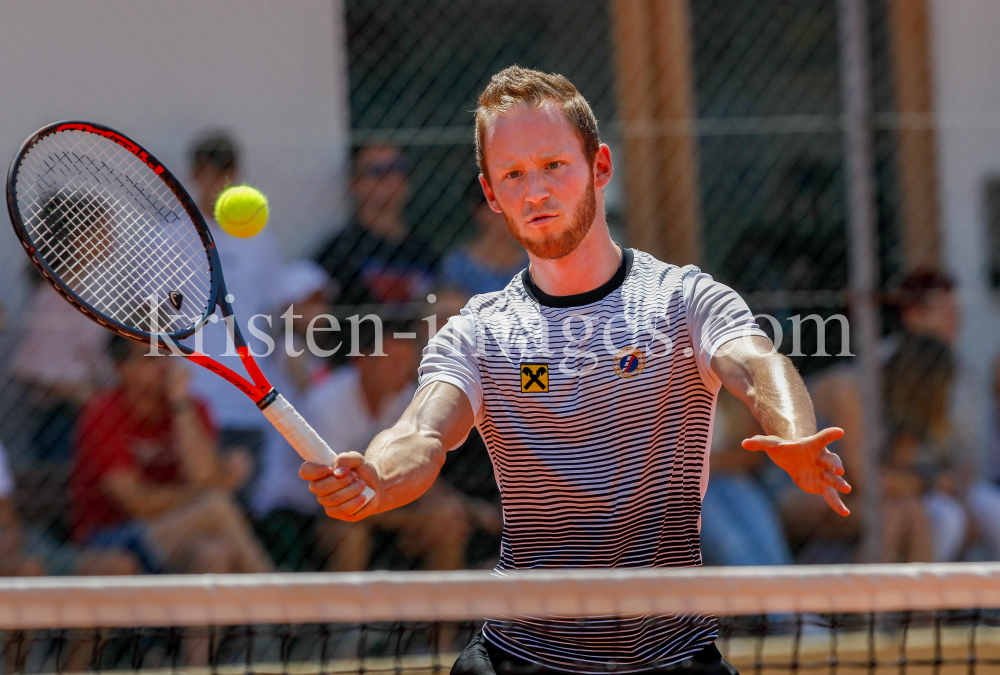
column 537, row 191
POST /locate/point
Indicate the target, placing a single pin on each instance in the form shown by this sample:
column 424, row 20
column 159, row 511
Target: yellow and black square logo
column 534, row 378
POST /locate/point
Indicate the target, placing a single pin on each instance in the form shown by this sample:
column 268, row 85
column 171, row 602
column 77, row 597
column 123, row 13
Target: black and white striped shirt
column 597, row 412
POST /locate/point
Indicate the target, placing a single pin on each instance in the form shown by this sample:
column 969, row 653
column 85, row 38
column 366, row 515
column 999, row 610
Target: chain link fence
column 727, row 124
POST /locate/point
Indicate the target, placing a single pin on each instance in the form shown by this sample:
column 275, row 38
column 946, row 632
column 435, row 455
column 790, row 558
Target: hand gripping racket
column 122, row 241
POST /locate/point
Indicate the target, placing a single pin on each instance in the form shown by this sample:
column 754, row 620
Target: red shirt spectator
column 112, row 437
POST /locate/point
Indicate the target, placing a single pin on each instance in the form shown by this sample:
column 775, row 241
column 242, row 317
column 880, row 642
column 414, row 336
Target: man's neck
column 593, row 262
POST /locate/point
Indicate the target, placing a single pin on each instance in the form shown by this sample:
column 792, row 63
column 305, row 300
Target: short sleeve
column 450, row 356
column 716, row 314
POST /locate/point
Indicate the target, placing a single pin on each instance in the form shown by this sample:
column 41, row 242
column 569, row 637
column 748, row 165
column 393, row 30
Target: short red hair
column 522, row 86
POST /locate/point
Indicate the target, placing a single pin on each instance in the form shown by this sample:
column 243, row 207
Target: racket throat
column 268, row 399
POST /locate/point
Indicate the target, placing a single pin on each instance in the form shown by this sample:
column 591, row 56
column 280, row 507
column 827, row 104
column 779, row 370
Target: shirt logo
column 629, row 362
column 534, row 378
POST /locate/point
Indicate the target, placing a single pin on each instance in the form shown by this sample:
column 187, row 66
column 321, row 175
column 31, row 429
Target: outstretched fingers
column 834, row 500
column 831, row 461
column 837, row 482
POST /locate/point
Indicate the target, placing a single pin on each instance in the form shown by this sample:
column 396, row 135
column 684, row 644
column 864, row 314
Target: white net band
column 457, row 596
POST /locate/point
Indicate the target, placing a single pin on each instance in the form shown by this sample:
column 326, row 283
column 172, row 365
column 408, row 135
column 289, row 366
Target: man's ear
column 491, row 198
column 602, row 166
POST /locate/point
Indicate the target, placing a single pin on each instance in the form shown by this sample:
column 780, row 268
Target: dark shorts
column 483, row 658
column 133, row 537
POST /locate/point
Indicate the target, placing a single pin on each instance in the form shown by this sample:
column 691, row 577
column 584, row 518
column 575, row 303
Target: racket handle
column 287, row 420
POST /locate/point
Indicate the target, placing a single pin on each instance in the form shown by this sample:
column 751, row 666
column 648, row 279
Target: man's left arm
column 765, row 380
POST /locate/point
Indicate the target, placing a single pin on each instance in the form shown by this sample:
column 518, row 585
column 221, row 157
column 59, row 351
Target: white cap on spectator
column 299, row 279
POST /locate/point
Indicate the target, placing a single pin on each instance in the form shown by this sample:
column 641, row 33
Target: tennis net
column 836, row 619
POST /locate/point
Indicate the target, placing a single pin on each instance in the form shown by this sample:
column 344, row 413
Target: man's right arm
column 402, row 462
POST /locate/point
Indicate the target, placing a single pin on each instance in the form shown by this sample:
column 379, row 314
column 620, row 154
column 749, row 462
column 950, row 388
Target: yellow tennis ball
column 241, row 211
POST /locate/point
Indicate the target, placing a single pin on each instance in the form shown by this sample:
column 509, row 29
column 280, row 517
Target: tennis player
column 593, row 378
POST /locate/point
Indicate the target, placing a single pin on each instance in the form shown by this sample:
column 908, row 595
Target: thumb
column 347, row 462
column 762, row 443
column 310, row 471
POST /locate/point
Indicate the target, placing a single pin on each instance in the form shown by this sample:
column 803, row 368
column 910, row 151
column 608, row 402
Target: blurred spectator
column 30, row 552
column 992, row 463
column 377, row 258
column 984, row 498
column 215, row 165
column 739, row 523
column 305, row 288
column 929, row 482
column 348, row 410
column 488, row 262
column 148, row 478
column 61, row 361
column 283, row 511
column 920, row 465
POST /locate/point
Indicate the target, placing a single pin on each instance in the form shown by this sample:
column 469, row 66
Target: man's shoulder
column 509, row 296
column 649, row 274
column 647, row 262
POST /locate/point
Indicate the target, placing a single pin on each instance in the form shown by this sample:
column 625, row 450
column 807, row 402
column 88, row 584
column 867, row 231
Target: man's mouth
column 541, row 219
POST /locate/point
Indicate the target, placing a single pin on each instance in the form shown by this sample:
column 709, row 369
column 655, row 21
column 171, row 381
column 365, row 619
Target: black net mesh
column 966, row 641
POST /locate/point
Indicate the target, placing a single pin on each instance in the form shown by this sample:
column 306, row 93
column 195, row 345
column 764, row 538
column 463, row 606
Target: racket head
column 113, row 231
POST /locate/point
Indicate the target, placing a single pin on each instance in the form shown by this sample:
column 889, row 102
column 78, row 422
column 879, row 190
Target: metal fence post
column 855, row 79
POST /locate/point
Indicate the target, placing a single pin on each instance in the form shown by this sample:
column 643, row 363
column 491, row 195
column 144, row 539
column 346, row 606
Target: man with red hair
column 593, row 378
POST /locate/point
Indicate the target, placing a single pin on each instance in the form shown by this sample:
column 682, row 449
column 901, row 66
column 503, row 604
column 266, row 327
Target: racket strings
column 113, row 231
column 88, row 281
column 88, row 215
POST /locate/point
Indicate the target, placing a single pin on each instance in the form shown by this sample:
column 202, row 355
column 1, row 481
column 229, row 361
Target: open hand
column 813, row 468
column 338, row 488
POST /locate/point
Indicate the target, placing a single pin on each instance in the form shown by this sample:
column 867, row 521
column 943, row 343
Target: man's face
column 381, row 179
column 937, row 316
column 540, row 179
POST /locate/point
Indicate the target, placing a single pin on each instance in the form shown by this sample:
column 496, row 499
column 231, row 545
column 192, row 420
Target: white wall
column 967, row 79
column 273, row 72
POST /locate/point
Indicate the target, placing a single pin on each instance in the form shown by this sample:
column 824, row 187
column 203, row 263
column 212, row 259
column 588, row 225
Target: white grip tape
column 287, row 420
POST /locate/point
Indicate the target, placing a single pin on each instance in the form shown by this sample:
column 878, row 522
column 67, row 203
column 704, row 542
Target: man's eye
column 514, row 174
column 552, row 165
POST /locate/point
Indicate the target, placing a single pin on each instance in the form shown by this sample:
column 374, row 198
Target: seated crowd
column 149, row 465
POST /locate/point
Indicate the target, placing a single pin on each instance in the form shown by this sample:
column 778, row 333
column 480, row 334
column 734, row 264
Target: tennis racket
column 122, row 241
